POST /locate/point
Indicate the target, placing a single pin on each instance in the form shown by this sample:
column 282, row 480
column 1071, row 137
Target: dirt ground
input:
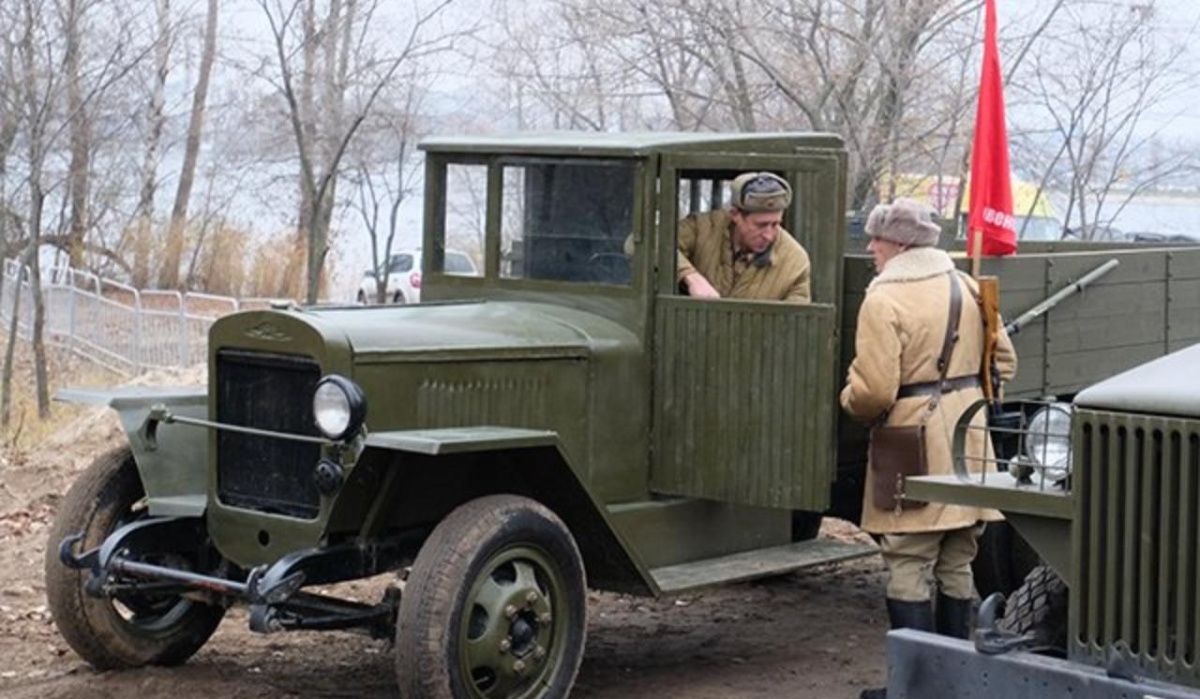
column 814, row 634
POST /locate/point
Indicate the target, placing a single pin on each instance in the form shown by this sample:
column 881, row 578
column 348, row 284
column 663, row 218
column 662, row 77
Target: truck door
column 745, row 392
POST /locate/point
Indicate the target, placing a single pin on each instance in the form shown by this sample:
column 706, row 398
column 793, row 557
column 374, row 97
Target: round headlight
column 339, row 407
column 1048, row 439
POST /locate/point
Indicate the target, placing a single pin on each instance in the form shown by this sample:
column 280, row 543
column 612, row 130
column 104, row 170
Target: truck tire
column 129, row 630
column 495, row 605
column 1039, row 606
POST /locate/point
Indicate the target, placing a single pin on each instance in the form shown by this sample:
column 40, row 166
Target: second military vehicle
column 1115, row 613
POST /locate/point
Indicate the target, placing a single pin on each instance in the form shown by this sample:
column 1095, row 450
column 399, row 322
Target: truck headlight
column 339, row 407
column 1048, row 439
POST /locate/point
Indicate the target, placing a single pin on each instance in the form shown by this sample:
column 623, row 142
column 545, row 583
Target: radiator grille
column 272, row 392
column 1138, row 542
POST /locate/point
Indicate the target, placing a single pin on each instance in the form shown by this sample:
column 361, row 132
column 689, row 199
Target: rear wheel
column 130, row 629
column 495, row 606
column 1039, row 606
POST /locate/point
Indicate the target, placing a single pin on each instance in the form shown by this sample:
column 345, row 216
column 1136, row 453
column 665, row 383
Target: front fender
column 173, row 465
column 416, row 477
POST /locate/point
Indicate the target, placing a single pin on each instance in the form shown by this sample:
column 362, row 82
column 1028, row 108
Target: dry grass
column 278, row 268
column 25, row 430
column 228, row 260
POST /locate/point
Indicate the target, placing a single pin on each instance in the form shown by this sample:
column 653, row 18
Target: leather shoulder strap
column 951, row 325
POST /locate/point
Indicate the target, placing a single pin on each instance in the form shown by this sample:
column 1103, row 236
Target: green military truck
column 563, row 419
column 1115, row 613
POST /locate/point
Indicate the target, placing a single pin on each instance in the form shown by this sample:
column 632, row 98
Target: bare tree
column 156, row 120
column 44, row 107
column 9, row 115
column 387, row 184
column 36, row 116
column 78, row 177
column 1093, row 87
column 854, row 67
column 168, row 274
column 349, row 69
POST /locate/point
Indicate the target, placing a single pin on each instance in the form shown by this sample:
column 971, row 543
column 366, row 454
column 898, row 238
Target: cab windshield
column 560, row 219
column 567, row 221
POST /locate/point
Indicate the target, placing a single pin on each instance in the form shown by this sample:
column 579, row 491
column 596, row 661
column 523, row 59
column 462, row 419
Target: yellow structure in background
column 1036, row 218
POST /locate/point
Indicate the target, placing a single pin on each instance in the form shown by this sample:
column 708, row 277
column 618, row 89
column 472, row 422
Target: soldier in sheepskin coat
column 901, row 328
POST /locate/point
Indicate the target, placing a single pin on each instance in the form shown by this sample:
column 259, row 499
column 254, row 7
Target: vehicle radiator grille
column 1138, row 542
column 271, row 392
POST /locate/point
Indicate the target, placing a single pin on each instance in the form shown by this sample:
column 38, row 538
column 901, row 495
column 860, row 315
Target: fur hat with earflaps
column 755, row 192
column 904, row 221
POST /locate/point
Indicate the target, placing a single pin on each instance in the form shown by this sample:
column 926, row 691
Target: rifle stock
column 989, row 307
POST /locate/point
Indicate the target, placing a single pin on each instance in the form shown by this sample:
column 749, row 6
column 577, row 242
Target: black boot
column 910, row 615
column 904, row 615
column 953, row 616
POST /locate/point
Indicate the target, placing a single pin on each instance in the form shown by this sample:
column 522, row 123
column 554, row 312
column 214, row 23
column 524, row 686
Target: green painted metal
column 454, row 440
column 173, row 467
column 743, row 410
column 1050, row 537
column 1151, row 388
column 759, row 563
column 537, row 597
column 674, row 530
column 1136, row 543
column 629, row 144
column 999, row 491
column 744, row 396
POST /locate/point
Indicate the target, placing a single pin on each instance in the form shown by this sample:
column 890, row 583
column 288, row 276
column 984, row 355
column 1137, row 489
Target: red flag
column 991, row 187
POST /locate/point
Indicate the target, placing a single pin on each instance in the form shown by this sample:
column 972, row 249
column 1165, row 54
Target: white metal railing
column 125, row 329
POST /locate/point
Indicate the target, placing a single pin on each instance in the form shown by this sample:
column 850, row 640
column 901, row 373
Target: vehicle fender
column 436, row 470
column 173, row 464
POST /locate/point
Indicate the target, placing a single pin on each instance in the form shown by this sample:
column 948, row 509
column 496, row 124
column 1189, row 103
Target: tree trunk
column 10, row 349
column 81, row 136
column 144, row 214
column 8, row 134
column 168, row 275
column 37, row 200
column 308, row 131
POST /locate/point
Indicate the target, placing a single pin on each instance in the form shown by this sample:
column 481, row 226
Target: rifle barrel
column 1059, row 296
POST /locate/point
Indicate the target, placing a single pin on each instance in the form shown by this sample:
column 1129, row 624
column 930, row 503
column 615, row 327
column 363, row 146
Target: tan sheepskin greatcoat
column 901, row 327
column 705, row 247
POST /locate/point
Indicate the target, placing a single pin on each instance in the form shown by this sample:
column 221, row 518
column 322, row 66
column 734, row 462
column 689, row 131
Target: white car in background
column 404, row 276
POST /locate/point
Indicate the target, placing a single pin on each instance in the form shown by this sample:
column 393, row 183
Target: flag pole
column 976, row 252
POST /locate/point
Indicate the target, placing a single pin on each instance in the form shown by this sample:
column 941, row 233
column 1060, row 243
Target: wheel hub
column 510, row 628
column 521, row 634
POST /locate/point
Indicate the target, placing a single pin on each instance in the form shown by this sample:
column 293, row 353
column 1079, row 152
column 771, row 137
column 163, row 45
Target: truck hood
column 476, row 329
column 1159, row 387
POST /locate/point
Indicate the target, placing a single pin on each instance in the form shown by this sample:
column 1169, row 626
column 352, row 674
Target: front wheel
column 1039, row 607
column 130, row 629
column 495, row 606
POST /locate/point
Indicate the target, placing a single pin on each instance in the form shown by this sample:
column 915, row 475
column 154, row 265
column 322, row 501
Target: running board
column 759, row 563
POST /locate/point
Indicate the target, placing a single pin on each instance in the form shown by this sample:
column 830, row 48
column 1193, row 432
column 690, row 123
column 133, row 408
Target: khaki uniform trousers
column 916, row 561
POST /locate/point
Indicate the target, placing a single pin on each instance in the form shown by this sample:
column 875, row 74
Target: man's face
column 883, row 250
column 755, row 231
